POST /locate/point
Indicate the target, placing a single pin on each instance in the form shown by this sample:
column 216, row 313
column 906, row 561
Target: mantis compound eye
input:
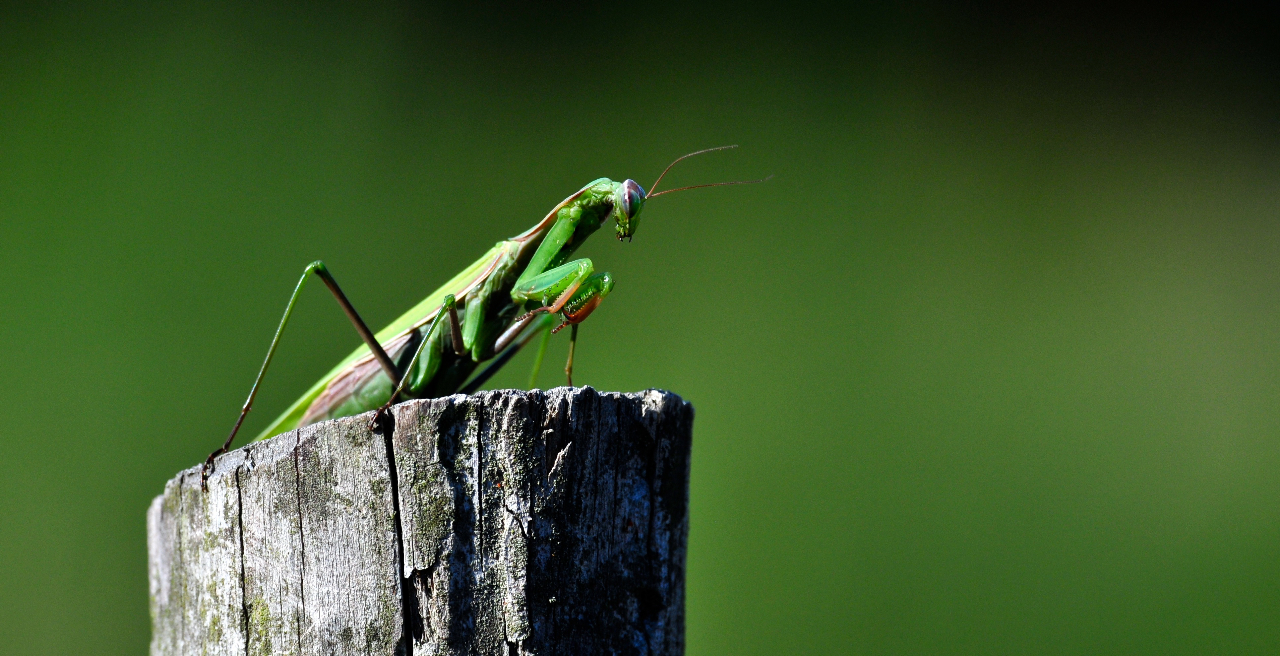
column 630, row 201
column 632, row 198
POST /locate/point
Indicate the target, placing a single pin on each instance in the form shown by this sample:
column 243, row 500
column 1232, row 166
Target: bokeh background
column 991, row 365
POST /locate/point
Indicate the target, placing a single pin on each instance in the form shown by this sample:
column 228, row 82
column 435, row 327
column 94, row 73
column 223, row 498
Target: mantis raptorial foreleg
column 322, row 271
column 553, row 288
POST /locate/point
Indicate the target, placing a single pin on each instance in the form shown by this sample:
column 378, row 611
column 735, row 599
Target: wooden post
column 502, row 523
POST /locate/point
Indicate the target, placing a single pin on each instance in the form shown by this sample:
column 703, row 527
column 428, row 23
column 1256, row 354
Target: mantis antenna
column 652, row 194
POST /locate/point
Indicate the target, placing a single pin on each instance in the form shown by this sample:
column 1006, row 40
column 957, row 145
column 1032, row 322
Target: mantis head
column 627, row 202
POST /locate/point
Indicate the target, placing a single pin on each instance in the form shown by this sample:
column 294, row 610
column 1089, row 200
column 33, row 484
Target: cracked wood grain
column 194, row 552
column 501, row 523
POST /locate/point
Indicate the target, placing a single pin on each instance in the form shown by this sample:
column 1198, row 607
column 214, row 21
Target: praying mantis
column 516, row 291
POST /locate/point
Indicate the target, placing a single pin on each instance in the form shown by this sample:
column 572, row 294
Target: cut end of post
column 501, row 522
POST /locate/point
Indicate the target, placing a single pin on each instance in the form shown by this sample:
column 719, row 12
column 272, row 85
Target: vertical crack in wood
column 302, row 540
column 179, row 533
column 478, row 498
column 411, row 620
column 244, row 597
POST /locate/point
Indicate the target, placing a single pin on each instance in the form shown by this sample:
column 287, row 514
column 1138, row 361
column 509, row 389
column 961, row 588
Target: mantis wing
column 363, row 385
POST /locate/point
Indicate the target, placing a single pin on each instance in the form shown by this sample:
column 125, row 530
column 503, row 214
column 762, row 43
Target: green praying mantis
column 521, row 288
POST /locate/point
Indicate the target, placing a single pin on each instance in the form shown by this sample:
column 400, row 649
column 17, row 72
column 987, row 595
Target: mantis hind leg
column 322, row 272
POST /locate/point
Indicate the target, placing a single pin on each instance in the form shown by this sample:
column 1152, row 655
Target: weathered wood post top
column 502, row 523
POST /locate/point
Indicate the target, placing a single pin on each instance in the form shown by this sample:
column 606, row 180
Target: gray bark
column 501, row 523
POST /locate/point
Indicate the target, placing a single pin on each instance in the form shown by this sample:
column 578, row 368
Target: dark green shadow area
column 989, row 367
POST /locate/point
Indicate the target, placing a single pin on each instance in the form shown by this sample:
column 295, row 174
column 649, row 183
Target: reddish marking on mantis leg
column 583, row 312
column 557, row 305
column 571, row 318
column 564, row 296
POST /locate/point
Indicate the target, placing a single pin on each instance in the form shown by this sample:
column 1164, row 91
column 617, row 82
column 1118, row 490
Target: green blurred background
column 990, row 366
